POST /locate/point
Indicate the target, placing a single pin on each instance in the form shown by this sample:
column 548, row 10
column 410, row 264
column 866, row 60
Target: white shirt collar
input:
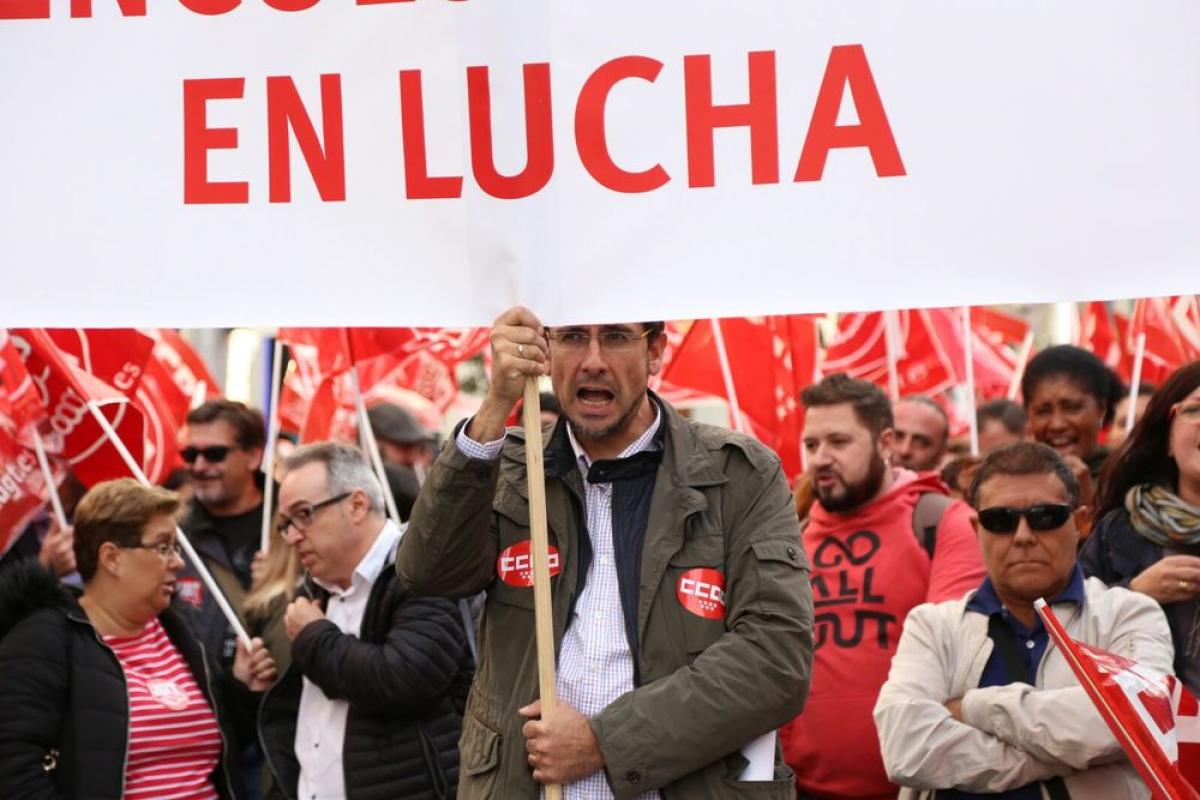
column 372, row 564
column 643, row 442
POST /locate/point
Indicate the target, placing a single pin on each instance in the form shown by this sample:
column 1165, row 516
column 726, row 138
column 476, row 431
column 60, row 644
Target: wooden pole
column 543, row 612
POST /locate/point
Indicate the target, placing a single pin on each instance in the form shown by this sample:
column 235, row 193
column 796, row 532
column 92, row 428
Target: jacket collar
column 685, row 458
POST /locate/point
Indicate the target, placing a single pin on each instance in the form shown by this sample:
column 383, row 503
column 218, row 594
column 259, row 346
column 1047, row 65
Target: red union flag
column 20, row 403
column 23, row 489
column 924, row 364
column 771, row 359
column 1166, row 348
column 66, row 391
column 317, row 399
column 1151, row 714
column 338, row 348
column 1100, row 333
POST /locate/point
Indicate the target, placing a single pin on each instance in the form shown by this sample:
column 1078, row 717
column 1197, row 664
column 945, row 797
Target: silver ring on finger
column 521, row 350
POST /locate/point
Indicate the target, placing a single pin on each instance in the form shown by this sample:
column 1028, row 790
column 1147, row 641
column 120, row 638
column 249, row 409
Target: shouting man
column 682, row 613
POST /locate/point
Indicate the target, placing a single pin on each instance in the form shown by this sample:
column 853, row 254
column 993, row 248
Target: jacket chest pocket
column 696, row 588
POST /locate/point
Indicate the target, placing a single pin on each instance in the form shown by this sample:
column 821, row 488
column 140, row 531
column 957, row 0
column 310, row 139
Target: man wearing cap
column 681, row 605
column 979, row 703
column 402, row 440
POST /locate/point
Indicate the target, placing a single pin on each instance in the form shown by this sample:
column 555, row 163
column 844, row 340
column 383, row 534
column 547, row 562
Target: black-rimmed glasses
column 303, row 516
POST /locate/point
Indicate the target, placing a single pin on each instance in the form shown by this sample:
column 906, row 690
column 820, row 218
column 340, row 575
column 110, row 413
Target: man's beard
column 595, row 434
column 854, row 495
column 214, row 496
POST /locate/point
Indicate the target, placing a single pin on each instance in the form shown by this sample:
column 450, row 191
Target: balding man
column 922, row 431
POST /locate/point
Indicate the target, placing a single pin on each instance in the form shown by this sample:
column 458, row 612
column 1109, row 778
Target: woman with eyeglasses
column 1148, row 534
column 107, row 694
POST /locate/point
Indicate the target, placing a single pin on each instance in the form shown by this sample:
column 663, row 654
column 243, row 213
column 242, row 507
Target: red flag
column 338, row 348
column 1098, row 333
column 923, row 363
column 317, row 398
column 993, row 368
column 997, row 328
column 23, row 489
column 1165, row 349
column 20, row 403
column 1138, row 704
column 66, row 391
column 771, row 359
column 174, row 380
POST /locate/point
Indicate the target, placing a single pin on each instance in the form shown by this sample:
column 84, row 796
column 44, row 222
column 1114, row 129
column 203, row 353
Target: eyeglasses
column 165, row 550
column 213, row 455
column 1187, row 413
column 302, row 517
column 1042, row 517
column 575, row 340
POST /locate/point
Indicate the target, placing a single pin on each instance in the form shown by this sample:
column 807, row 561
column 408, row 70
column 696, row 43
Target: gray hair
column 346, row 469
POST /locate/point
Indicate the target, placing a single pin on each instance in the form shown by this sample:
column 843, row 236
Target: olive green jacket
column 708, row 687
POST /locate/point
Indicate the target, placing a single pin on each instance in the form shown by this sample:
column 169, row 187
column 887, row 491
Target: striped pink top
column 174, row 741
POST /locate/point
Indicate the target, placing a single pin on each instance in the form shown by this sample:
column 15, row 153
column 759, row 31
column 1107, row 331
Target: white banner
column 380, row 162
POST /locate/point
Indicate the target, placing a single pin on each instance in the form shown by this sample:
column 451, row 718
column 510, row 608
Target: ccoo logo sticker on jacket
column 515, row 564
column 190, row 591
column 702, row 592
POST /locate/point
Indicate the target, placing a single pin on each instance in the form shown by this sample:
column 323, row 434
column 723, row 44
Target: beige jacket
column 1015, row 734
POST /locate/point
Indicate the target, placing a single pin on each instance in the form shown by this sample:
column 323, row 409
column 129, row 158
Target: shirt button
column 633, row 776
column 1029, row 644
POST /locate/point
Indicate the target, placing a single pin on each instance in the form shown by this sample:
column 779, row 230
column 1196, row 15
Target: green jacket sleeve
column 450, row 547
column 753, row 679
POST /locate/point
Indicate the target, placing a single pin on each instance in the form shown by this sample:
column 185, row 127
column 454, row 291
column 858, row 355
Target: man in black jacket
column 372, row 703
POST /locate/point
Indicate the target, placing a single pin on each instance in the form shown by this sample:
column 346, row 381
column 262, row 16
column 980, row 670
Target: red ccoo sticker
column 702, row 592
column 190, row 590
column 515, row 564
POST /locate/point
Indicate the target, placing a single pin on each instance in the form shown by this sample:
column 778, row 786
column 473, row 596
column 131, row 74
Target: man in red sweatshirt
column 881, row 540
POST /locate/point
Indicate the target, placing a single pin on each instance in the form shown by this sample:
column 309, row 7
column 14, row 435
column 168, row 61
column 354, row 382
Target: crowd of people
column 878, row 615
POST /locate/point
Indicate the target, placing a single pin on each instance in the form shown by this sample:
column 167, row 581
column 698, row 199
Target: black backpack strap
column 1014, row 664
column 927, row 515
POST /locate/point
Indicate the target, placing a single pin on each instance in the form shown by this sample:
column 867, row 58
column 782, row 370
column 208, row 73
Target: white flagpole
column 890, row 335
column 1139, row 355
column 735, row 409
column 51, row 486
column 1014, row 386
column 364, row 425
column 969, row 357
column 269, row 452
column 209, row 581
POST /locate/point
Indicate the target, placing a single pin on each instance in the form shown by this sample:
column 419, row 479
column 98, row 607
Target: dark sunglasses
column 213, row 455
column 1042, row 517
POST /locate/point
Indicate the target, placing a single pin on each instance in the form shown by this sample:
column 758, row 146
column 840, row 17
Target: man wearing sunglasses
column 978, row 702
column 223, row 521
column 683, row 619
